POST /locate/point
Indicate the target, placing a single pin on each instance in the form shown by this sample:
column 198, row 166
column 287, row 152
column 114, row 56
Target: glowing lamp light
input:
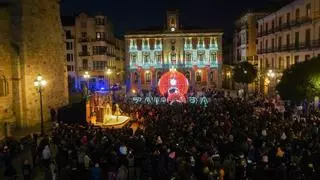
column 39, row 78
column 147, row 71
column 199, row 70
column 39, row 82
column 133, row 91
column 109, row 71
column 43, row 83
column 36, row 83
column 86, row 75
column 173, row 82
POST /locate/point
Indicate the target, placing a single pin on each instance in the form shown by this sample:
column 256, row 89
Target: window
column 308, row 10
column 68, row 34
column 307, row 57
column 296, row 59
column 261, row 29
column 308, row 40
column 69, row 57
column 297, row 41
column 267, row 63
column 213, row 57
column 100, row 35
column 70, row 68
column 148, row 77
column 260, row 45
column 272, row 25
column 4, row 89
column 267, row 27
column 83, row 24
column 198, row 76
column 288, row 40
column 288, row 61
column 99, row 21
column 85, row 64
column 272, row 63
column 99, row 65
column 288, row 18
column 84, row 48
column 211, row 76
column 146, row 58
column 297, row 14
column 83, row 35
column 201, row 57
column 272, row 44
column 133, row 58
column 99, row 50
column 158, row 58
column 279, row 42
column 280, row 21
column 280, row 65
column 266, row 45
column 69, row 46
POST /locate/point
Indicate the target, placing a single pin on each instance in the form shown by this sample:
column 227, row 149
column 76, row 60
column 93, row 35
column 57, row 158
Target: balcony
column 285, row 26
column 316, row 44
column 82, row 40
column 262, row 51
column 99, row 39
column 85, row 53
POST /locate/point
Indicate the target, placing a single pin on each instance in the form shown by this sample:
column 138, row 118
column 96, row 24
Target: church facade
column 31, row 43
column 197, row 53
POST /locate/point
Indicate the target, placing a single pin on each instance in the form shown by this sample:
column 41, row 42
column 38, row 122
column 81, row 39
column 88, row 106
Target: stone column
column 153, row 80
column 139, row 80
column 208, row 78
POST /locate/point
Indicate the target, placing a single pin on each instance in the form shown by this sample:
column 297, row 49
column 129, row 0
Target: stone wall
column 42, row 52
column 31, row 43
column 6, row 108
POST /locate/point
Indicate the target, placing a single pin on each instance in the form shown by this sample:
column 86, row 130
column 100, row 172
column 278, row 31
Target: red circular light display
column 174, row 84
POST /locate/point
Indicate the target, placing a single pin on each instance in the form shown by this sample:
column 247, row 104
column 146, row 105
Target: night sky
column 129, row 15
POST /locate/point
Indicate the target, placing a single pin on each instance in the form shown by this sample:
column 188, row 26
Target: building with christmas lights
column 197, row 53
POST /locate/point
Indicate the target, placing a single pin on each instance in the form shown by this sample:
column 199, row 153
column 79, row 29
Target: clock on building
column 173, row 29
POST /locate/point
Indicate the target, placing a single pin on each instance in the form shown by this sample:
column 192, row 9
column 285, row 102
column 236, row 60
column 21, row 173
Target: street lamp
column 109, row 72
column 271, row 75
column 40, row 83
column 86, row 76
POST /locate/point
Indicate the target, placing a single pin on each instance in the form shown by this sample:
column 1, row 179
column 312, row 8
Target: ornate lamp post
column 109, row 72
column 40, row 83
column 86, row 76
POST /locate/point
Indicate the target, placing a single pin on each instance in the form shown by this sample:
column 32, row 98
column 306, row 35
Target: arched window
column 198, row 76
column 4, row 90
column 148, row 77
column 211, row 76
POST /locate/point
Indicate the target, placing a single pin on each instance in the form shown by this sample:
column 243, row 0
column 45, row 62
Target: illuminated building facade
column 285, row 37
column 196, row 53
column 92, row 47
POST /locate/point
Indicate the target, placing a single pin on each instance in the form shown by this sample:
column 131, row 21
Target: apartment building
column 92, row 48
column 287, row 36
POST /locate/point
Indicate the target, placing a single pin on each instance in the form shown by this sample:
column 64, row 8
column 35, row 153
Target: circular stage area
column 114, row 122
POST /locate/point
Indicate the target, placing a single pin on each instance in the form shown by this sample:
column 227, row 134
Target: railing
column 99, row 39
column 84, row 40
column 84, row 53
column 316, row 43
column 200, row 64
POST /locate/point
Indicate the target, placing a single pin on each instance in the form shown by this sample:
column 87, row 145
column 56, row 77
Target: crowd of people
column 231, row 138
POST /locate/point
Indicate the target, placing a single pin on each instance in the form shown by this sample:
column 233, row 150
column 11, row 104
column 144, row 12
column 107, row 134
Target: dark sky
column 129, row 15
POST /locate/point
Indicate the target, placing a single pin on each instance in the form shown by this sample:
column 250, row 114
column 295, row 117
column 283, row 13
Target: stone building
column 31, row 43
column 285, row 37
column 91, row 47
column 195, row 52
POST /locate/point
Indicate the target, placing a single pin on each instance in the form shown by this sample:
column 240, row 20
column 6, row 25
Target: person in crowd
column 26, row 170
column 230, row 138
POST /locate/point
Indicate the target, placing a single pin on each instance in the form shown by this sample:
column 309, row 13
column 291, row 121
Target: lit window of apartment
column 69, row 46
column 100, row 36
column 198, row 76
column 158, row 58
column 213, row 56
column 280, row 63
column 308, row 10
column 69, row 57
column 288, row 61
column 148, row 77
